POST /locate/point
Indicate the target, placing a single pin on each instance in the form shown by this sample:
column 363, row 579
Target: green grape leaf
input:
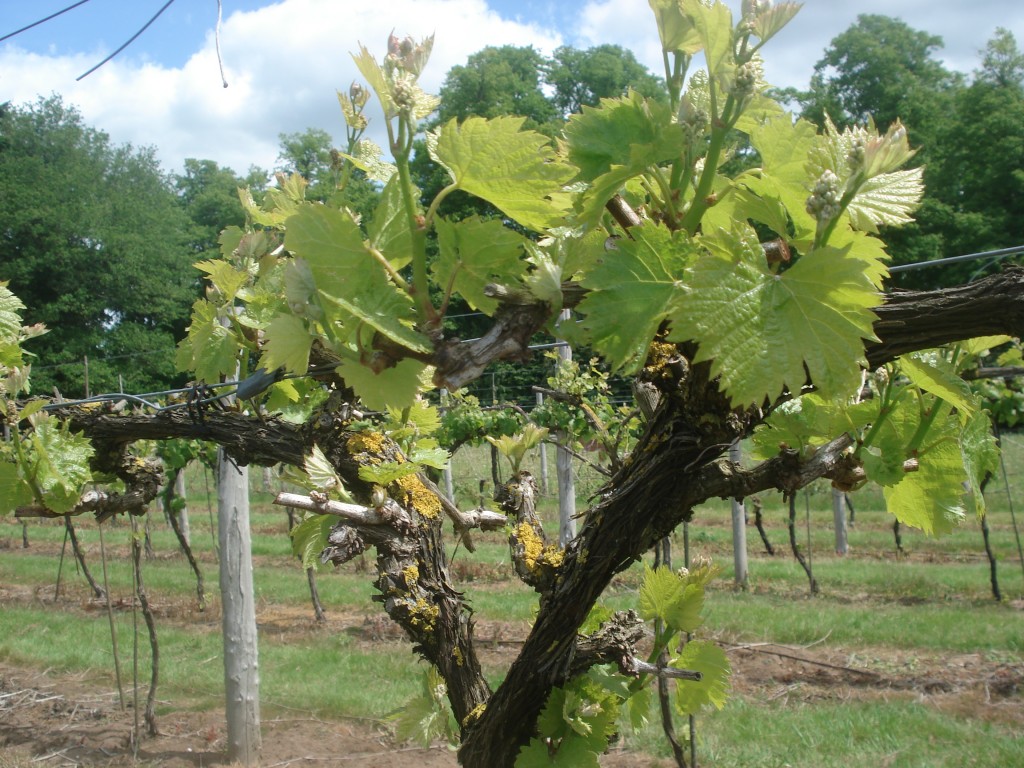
column 884, row 458
column 426, row 717
column 631, row 291
column 666, row 596
column 14, row 492
column 368, row 158
column 209, row 349
column 637, row 708
column 60, row 466
column 983, row 344
column 388, row 230
column 513, row 169
column 933, row 374
column 888, row 199
column 675, row 27
column 321, row 472
column 660, row 589
column 475, row 252
column 225, row 277
column 714, row 25
column 287, row 345
column 809, row 421
column 570, row 751
column 629, row 132
column 771, row 20
column 370, row 69
column 711, row 662
column 784, row 146
column 396, row 386
column 346, row 275
column 760, row 329
column 980, row 452
column 930, row 498
column 545, row 278
column 387, row 472
column 431, row 457
column 616, row 141
column 309, row 538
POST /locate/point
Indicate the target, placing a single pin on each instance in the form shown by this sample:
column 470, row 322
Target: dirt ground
column 59, row 720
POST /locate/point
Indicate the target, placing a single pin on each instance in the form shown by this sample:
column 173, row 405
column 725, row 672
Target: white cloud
column 283, row 63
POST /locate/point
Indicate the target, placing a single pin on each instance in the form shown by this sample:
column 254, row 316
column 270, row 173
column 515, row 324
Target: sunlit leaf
column 887, row 200
column 309, row 538
column 930, row 372
column 474, row 253
column 287, row 345
column 397, row 386
column 764, row 332
column 713, row 689
column 631, row 291
column 513, row 169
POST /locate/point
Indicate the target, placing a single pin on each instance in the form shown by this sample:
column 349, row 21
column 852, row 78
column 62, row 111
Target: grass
column 934, row 601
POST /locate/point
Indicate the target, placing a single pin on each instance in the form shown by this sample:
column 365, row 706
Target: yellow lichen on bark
column 420, row 497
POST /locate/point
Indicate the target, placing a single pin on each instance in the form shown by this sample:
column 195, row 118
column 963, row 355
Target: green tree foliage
column 495, row 82
column 93, row 241
column 583, row 77
column 209, row 196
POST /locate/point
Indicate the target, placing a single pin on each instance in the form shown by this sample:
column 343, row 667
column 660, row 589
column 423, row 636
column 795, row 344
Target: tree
column 498, row 81
column 880, row 69
column 740, row 330
column 209, row 196
column 93, row 241
column 582, row 78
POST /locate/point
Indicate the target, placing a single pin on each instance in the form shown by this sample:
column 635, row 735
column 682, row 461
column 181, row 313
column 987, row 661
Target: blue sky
column 284, row 60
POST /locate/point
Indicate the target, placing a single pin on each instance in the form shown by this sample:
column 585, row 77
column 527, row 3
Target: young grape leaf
column 321, row 472
column 675, row 27
column 513, row 169
column 934, row 374
column 309, row 538
column 631, row 290
column 659, row 590
column 887, row 200
column 397, row 386
column 331, row 244
column 764, row 332
column 616, row 141
column 980, row 452
column 224, row 276
column 714, row 25
column 14, row 492
column 769, row 21
column 474, row 253
column 388, row 230
column 710, row 660
column 10, row 313
column 60, row 464
column 287, row 345
column 931, row 498
column 209, row 349
column 387, row 472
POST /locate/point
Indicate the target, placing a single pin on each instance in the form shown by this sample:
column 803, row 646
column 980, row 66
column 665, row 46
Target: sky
column 284, row 61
